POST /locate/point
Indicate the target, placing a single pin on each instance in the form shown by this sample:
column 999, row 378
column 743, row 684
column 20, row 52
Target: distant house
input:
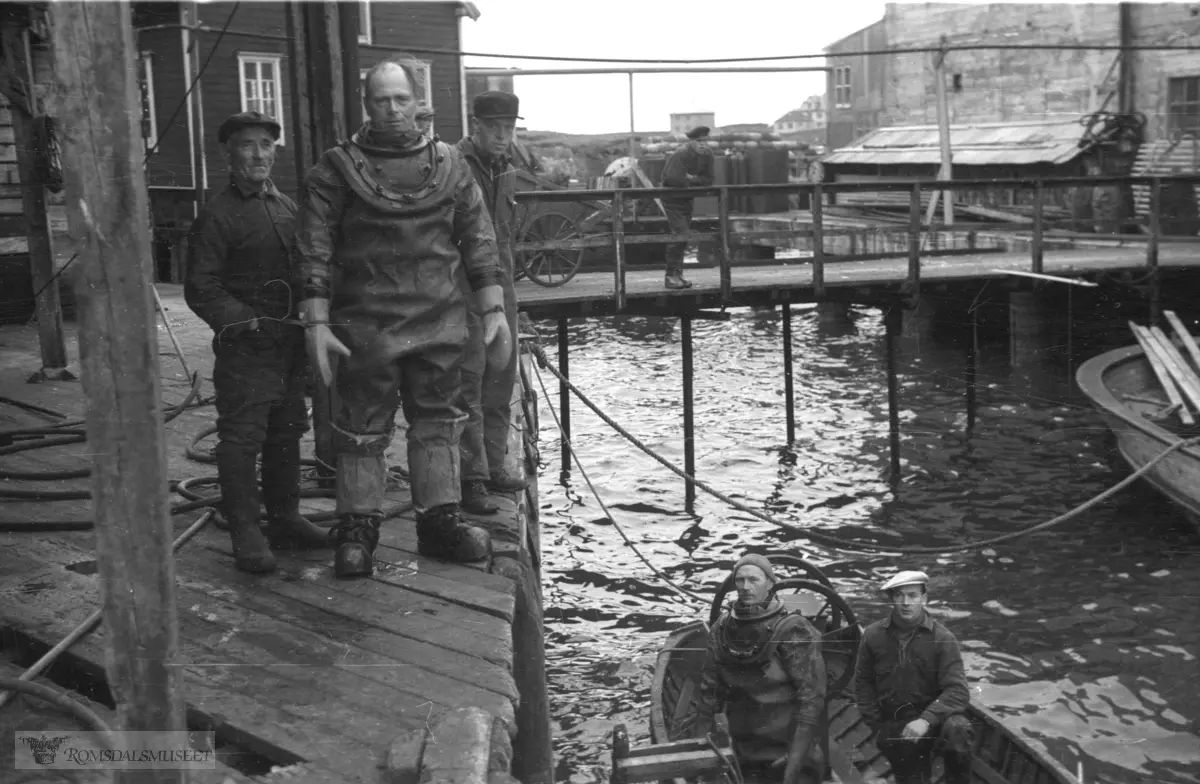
column 249, row 70
column 856, row 84
column 810, row 116
column 684, row 122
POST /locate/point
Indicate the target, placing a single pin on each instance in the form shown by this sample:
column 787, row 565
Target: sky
column 659, row 29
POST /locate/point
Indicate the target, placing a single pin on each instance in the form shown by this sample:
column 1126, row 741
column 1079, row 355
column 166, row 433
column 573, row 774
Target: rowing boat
column 1123, row 387
column 1000, row 755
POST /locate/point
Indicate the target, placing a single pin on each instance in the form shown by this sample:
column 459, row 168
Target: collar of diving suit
column 389, row 144
column 756, row 612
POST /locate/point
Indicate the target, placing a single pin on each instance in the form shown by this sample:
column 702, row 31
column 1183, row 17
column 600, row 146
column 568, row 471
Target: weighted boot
column 675, row 280
column 441, row 533
column 475, row 498
column 355, row 536
column 286, row 527
column 504, row 482
column 237, row 474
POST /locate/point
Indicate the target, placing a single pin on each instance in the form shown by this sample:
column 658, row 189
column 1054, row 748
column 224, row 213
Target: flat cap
column 496, row 104
column 247, row 120
column 424, row 112
column 905, row 578
column 699, row 132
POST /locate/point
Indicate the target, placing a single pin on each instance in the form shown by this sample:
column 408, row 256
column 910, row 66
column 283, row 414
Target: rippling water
column 1085, row 636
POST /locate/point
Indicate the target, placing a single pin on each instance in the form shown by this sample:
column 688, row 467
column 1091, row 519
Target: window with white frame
column 364, row 22
column 262, row 86
column 424, row 85
column 146, row 89
column 842, row 98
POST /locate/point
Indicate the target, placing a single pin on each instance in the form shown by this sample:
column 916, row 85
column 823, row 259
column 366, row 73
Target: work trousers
column 259, row 378
column 912, row 760
column 426, row 384
column 679, row 220
column 487, row 398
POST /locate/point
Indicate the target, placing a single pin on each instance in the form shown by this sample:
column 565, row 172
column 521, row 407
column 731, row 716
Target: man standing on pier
column 911, row 688
column 486, row 389
column 689, row 166
column 391, row 223
column 238, row 281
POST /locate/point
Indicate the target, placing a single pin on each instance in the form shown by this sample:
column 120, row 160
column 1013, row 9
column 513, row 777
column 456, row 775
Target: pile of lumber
column 1176, row 364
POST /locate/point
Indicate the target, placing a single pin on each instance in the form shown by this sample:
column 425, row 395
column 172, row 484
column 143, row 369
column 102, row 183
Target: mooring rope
column 662, row 576
column 848, row 544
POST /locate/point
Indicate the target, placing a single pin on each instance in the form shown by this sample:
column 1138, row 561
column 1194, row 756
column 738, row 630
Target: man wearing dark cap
column 911, row 688
column 765, row 670
column 392, row 224
column 487, row 389
column 239, row 282
column 425, row 120
column 689, row 166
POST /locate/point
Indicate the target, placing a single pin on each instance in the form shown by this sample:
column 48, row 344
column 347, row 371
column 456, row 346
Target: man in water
column 688, row 167
column 765, row 671
column 911, row 687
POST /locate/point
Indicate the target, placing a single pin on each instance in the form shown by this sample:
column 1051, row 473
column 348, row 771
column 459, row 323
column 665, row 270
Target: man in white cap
column 765, row 671
column 911, row 687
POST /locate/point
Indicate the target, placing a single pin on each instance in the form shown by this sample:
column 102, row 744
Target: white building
column 682, row 123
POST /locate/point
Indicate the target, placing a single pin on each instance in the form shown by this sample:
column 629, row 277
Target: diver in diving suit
column 388, row 220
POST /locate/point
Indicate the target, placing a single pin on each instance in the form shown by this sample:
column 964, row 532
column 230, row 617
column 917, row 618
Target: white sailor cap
column 905, row 578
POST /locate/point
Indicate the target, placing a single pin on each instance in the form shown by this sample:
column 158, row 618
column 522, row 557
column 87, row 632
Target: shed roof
column 1053, row 140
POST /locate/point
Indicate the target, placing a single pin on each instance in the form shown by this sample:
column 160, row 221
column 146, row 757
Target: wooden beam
column 107, row 203
column 19, row 70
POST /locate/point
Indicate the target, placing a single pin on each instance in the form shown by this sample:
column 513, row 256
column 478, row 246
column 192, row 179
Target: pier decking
column 295, row 667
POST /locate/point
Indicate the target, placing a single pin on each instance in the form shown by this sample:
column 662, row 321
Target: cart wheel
column 551, row 268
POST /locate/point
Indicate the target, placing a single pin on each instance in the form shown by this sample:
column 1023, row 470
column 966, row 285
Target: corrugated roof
column 1052, row 140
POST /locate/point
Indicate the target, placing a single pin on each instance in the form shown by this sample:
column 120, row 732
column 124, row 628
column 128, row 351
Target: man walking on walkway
column 238, row 281
column 689, row 166
column 487, row 390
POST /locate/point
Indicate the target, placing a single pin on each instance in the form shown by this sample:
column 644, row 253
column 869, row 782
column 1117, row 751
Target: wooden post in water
column 1039, row 226
column 689, row 431
column 564, row 399
column 17, row 87
column 107, row 204
column 816, row 205
column 724, row 254
column 1152, row 251
column 788, row 398
column 618, row 206
column 892, row 318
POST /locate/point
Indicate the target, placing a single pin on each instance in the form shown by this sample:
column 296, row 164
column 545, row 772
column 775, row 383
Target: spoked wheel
column 554, row 267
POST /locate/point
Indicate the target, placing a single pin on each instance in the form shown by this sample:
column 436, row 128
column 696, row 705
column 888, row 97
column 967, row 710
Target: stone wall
column 1159, row 24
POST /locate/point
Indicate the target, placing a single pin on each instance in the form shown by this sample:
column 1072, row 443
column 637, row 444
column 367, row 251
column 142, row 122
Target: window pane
column 268, row 71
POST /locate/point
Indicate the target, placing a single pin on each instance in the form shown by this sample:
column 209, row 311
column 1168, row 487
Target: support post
column 943, row 113
column 107, row 205
column 303, row 154
column 818, row 242
column 19, row 67
column 351, row 83
column 1152, row 251
column 689, row 432
column 632, row 132
column 914, row 235
column 892, row 322
column 619, row 249
column 564, row 399
column 724, row 255
column 788, row 397
column 190, row 14
column 1039, row 211
column 972, row 368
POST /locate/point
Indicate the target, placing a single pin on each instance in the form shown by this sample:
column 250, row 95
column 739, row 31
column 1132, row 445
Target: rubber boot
column 237, row 474
column 442, row 534
column 360, row 487
column 675, row 280
column 475, row 499
column 286, row 527
column 504, row 482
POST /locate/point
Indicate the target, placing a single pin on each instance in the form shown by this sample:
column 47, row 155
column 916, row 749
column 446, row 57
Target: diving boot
column 504, row 482
column 441, row 533
column 236, row 472
column 355, row 536
column 286, row 528
column 675, row 280
column 475, row 498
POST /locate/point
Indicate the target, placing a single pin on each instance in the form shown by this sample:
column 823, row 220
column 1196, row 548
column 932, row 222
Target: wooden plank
column 1187, row 381
column 106, row 188
column 1185, row 337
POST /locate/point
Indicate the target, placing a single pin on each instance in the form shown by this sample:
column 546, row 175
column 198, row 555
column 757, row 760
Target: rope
column 658, row 572
column 854, row 545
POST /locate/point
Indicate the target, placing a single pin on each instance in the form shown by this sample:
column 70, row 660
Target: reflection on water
column 1085, row 636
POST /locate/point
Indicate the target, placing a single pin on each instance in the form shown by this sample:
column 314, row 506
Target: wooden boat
column 1123, row 387
column 1000, row 756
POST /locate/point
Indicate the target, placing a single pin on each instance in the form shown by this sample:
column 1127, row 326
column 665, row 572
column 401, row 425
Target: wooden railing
column 619, row 240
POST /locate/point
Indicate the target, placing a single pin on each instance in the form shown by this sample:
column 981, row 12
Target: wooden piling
column 818, row 242
column 689, row 428
column 892, row 324
column 1152, row 252
column 564, row 399
column 107, row 206
column 1039, row 226
column 788, row 396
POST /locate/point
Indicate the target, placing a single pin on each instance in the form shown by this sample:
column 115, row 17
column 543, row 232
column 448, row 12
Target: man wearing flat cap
column 425, row 120
column 765, row 671
column 487, row 387
column 911, row 688
column 689, row 166
column 238, row 281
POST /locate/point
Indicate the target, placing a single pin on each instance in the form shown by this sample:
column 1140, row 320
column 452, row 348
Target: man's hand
column 497, row 338
column 915, row 729
column 321, row 342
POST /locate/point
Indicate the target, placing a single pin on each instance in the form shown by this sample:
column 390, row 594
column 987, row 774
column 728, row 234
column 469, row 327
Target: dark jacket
column 238, row 267
column 924, row 679
column 498, row 181
column 690, row 165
